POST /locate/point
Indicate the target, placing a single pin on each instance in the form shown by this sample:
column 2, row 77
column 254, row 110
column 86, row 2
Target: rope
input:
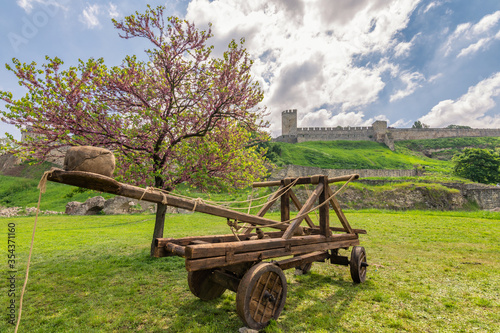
column 196, row 201
column 250, row 204
column 42, row 186
column 151, row 189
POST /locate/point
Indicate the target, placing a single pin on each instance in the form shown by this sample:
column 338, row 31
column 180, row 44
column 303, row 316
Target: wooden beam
column 324, row 211
column 307, row 206
column 221, row 261
column 338, row 211
column 219, row 249
column 109, row 185
column 297, row 204
column 285, row 201
column 302, row 259
column 306, row 180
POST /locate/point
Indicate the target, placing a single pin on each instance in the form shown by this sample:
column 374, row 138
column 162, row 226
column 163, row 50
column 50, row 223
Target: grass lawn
column 430, row 272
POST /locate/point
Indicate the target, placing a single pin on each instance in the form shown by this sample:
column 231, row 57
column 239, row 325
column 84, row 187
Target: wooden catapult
column 236, row 261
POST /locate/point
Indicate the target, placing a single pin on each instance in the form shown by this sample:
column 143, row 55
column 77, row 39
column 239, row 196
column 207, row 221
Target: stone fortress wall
column 378, row 132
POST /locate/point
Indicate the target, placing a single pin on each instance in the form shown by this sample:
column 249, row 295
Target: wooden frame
column 223, row 261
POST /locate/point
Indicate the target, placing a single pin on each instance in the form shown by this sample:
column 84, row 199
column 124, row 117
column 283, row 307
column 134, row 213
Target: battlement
column 378, row 132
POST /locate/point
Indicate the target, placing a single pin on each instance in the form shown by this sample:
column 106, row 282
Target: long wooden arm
column 109, row 185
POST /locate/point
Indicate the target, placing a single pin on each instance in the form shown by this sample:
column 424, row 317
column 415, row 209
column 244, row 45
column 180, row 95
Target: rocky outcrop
column 7, row 162
column 116, row 206
column 92, row 206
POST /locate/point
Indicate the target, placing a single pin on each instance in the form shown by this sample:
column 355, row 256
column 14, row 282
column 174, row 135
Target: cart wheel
column 261, row 295
column 358, row 264
column 202, row 286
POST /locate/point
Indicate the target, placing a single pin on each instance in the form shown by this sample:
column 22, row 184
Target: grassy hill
column 435, row 154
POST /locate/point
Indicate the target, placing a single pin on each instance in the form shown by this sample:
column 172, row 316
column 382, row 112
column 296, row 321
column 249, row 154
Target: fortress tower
column 289, row 122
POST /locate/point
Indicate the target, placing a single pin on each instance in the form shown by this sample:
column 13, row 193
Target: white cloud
column 304, row 49
column 473, row 48
column 28, row 5
column 433, row 4
column 324, row 118
column 89, row 16
column 113, row 10
column 412, row 81
column 470, row 38
column 470, row 109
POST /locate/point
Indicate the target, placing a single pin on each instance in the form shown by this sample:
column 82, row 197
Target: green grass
column 352, row 155
column 430, row 272
column 23, row 192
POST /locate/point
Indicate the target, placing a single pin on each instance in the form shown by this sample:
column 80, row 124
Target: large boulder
column 90, row 159
column 92, row 206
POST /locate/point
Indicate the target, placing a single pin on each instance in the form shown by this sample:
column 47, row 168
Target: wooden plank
column 302, row 259
column 338, row 211
column 306, row 180
column 214, row 250
column 308, row 205
column 161, row 242
column 214, row 262
column 109, row 185
column 324, row 211
column 297, row 204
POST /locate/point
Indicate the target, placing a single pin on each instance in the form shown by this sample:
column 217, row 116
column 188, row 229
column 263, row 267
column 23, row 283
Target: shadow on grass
column 319, row 302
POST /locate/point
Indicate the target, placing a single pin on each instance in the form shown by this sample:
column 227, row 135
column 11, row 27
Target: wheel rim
column 261, row 295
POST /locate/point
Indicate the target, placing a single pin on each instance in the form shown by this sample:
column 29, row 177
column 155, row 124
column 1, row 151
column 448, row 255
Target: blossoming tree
column 182, row 116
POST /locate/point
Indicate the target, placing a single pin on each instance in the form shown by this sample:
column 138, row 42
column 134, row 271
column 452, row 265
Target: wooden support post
column 285, row 201
column 338, row 211
column 308, row 205
column 324, row 211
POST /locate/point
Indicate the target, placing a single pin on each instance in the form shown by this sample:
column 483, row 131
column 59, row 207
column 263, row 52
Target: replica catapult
column 236, row 261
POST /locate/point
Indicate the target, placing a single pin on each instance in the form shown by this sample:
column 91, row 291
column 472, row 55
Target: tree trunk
column 161, row 209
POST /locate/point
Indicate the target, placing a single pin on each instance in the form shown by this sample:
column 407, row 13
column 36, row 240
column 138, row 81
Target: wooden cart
column 236, row 261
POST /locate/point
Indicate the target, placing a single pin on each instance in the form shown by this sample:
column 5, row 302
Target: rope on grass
column 42, row 186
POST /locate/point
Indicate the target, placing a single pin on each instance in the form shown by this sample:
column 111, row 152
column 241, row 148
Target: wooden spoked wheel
column 202, row 286
column 358, row 264
column 261, row 295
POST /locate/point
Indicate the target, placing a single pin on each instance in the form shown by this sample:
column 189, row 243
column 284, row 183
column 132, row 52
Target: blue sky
column 343, row 62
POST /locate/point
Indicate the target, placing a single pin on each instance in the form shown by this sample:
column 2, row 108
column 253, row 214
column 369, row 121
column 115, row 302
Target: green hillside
column 349, row 155
column 435, row 155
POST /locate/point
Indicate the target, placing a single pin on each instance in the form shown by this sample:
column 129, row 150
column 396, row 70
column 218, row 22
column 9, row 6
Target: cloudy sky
column 338, row 62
